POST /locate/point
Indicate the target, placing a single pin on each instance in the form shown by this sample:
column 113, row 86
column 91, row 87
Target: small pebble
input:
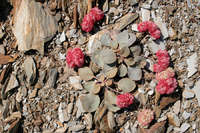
column 186, row 115
column 184, row 127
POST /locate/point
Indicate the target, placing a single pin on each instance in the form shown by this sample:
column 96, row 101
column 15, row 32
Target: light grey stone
column 176, row 107
column 62, row 37
column 186, row 115
column 184, row 127
column 145, row 14
column 196, row 90
column 188, row 94
column 163, row 27
column 154, row 47
column 192, row 63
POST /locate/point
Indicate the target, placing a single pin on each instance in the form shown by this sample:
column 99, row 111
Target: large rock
column 33, row 25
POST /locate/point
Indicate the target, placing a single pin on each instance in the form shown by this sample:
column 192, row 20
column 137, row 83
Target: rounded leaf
column 108, row 56
column 122, row 70
column 111, row 100
column 85, row 73
column 111, row 73
column 90, row 102
column 125, row 52
column 126, row 85
column 92, row 87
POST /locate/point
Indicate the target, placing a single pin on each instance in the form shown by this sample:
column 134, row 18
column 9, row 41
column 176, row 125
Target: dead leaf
column 5, row 59
column 166, row 101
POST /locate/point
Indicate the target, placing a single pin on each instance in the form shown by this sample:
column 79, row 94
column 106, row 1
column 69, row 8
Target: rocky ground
column 40, row 93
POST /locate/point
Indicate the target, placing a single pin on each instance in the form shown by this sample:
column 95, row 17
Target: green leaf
column 126, row 85
column 108, row 56
column 110, row 101
column 92, row 87
column 85, row 73
column 122, row 70
column 90, row 102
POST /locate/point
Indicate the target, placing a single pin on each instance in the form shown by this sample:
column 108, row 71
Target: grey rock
column 196, row 90
column 12, row 83
column 186, row 115
column 75, row 81
column 192, row 63
column 145, row 14
column 62, row 37
column 176, row 107
column 184, row 127
column 188, row 94
column 154, row 47
column 155, row 4
column 70, row 108
column 62, row 113
column 33, row 26
column 163, row 27
column 30, row 70
column 134, row 73
column 2, row 50
column 133, row 2
column 76, row 128
column 53, row 73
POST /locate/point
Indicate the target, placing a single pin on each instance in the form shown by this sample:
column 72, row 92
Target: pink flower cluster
column 151, row 27
column 94, row 15
column 163, row 61
column 75, row 57
column 124, row 100
column 144, row 117
column 164, row 74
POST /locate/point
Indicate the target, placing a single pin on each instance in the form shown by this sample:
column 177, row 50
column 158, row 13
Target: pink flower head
column 166, row 86
column 155, row 34
column 87, row 26
column 143, row 26
column 168, row 73
column 89, row 19
column 97, row 13
column 75, row 57
column 151, row 27
column 124, row 100
column 163, row 61
column 144, row 117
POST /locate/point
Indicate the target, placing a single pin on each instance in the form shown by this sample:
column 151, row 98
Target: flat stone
column 145, row 14
column 133, row 2
column 188, row 94
column 176, row 107
column 62, row 113
column 192, row 63
column 186, row 115
column 30, row 70
column 53, row 73
column 134, row 27
column 196, row 90
column 33, row 25
column 76, row 128
column 75, row 81
column 163, row 27
column 12, row 83
column 62, row 37
column 173, row 119
column 184, row 127
column 154, row 47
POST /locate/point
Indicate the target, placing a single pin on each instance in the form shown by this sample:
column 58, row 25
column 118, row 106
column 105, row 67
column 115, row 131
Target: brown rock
column 33, row 26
